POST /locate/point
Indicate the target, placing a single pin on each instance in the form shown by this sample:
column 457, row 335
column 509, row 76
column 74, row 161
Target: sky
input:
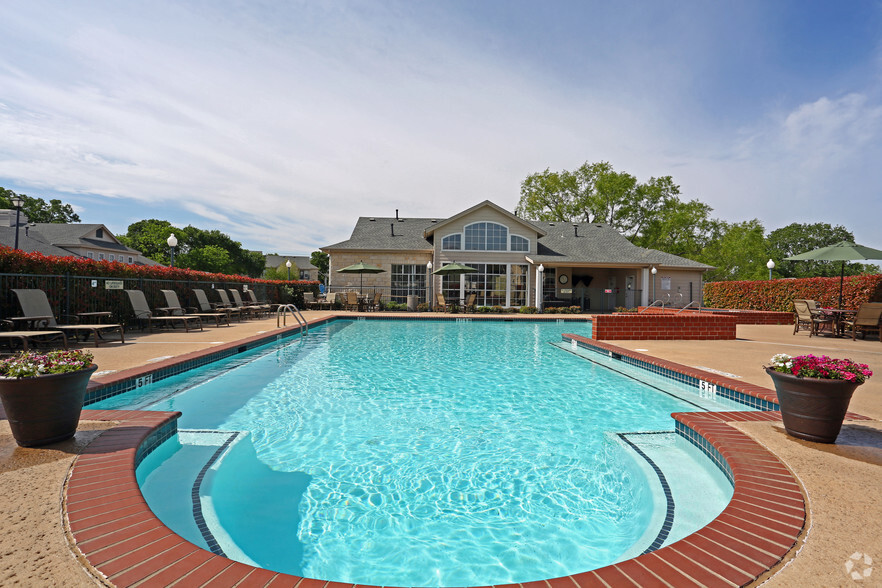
column 280, row 122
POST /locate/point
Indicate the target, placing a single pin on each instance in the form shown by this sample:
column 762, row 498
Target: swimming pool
column 413, row 453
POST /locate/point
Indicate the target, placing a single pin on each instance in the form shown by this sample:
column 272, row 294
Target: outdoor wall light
column 172, row 243
column 771, row 265
column 288, row 265
column 17, row 203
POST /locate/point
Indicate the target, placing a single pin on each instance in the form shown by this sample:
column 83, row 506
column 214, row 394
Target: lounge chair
column 255, row 310
column 28, row 338
column 34, row 303
column 868, row 318
column 204, row 305
column 804, row 317
column 252, row 299
column 174, row 308
column 225, row 303
column 440, row 302
column 143, row 313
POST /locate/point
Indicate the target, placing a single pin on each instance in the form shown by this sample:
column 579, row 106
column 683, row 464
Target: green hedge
column 779, row 294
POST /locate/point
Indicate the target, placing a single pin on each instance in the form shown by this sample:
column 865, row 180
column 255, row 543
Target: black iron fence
column 69, row 295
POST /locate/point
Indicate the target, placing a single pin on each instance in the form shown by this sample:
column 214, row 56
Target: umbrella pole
column 841, row 279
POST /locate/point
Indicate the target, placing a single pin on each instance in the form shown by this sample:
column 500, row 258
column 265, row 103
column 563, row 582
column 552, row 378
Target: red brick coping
column 123, row 541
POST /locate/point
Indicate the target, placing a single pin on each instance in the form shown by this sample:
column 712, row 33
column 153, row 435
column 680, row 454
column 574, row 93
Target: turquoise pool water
column 416, row 453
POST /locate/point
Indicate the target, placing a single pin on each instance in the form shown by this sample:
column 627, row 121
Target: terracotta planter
column 812, row 408
column 44, row 409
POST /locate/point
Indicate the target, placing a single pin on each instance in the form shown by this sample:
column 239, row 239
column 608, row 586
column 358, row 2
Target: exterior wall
column 686, row 326
column 383, row 259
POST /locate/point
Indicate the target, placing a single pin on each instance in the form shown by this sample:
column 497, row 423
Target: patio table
column 839, row 316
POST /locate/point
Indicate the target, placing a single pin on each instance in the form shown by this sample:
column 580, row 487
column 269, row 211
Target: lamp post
column 17, row 203
column 540, row 273
column 431, row 284
column 172, row 243
column 654, row 271
column 771, row 265
column 288, row 265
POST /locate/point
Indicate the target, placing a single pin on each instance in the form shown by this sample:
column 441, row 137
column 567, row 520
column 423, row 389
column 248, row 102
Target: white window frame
column 100, row 256
column 460, row 235
column 131, row 259
column 90, row 255
column 507, row 234
column 512, row 236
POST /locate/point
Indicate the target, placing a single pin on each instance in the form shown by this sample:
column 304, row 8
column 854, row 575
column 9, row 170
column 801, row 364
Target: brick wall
column 663, row 326
column 742, row 317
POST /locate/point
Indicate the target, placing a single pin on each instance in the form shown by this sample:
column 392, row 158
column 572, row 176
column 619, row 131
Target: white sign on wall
column 666, row 283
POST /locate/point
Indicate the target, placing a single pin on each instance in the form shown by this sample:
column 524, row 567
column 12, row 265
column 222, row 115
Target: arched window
column 519, row 243
column 452, row 242
column 486, row 236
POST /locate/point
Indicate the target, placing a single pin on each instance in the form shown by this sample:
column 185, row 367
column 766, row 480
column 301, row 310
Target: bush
column 496, row 309
column 395, row 306
column 778, row 295
column 422, row 307
column 550, row 310
column 528, row 310
column 483, row 309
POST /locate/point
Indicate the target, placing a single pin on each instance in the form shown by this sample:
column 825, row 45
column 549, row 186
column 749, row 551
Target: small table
column 839, row 316
column 29, row 323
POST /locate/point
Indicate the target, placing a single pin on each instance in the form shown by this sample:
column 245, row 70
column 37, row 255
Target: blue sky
column 281, row 122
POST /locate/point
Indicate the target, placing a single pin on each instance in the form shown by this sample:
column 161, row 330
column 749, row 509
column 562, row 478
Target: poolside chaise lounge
column 252, row 298
column 35, row 304
column 205, row 306
column 254, row 309
column 225, row 303
column 143, row 313
column 28, row 338
column 174, row 308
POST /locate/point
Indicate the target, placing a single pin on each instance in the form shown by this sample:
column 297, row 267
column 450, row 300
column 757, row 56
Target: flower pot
column 45, row 409
column 812, row 408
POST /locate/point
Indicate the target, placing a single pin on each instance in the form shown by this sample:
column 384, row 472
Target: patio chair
column 804, row 317
column 470, row 302
column 174, row 308
column 143, row 313
column 867, row 318
column 440, row 302
column 352, row 301
column 375, row 303
column 204, row 305
column 34, row 303
column 329, row 301
column 255, row 310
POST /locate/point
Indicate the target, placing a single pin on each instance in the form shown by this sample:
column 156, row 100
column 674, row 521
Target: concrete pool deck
column 840, row 482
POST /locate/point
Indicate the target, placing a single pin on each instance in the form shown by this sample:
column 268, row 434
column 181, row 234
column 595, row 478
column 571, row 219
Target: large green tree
column 738, row 252
column 38, row 210
column 800, row 237
column 322, row 261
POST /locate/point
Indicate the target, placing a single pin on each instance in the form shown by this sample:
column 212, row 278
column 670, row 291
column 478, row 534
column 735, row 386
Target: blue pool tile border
column 707, row 448
column 156, row 438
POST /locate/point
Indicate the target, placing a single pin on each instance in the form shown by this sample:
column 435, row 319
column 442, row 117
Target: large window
column 519, row 243
column 549, row 283
column 408, row 280
column 452, row 242
column 486, row 237
column 518, row 294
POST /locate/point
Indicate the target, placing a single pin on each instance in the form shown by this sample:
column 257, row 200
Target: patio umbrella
column 361, row 268
column 454, row 269
column 842, row 251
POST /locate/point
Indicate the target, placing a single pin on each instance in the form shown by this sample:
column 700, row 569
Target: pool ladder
column 282, row 313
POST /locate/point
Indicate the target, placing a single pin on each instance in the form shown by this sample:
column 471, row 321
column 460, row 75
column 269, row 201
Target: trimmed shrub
column 422, row 307
column 778, row 295
column 528, row 310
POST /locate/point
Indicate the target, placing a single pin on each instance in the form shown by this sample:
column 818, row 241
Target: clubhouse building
column 576, row 264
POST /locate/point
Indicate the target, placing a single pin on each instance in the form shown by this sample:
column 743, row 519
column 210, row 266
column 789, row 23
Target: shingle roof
column 387, row 234
column 301, row 261
column 30, row 241
column 598, row 243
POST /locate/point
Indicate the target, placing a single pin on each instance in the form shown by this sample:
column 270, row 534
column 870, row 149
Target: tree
column 38, row 211
column 150, row 237
column 322, row 261
column 209, row 258
column 738, row 252
column 798, row 238
column 596, row 193
column 281, row 272
column 680, row 228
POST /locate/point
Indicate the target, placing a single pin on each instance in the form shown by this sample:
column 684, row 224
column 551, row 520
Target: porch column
column 645, row 285
column 540, row 271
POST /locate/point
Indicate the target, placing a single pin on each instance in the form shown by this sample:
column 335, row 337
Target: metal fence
column 69, row 295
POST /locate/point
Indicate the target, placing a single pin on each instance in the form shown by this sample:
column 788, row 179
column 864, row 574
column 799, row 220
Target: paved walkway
column 842, row 482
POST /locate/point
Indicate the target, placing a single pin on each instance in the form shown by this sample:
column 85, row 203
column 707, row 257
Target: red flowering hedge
column 779, row 294
column 18, row 262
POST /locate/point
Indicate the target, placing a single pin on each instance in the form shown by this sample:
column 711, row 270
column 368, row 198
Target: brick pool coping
column 121, row 539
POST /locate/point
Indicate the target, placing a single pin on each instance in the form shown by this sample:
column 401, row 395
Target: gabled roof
column 30, row 241
column 591, row 243
column 79, row 235
column 514, row 218
column 387, row 234
column 301, row 261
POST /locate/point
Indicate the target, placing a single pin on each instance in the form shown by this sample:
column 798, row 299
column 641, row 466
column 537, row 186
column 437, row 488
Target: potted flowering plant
column 43, row 394
column 814, row 393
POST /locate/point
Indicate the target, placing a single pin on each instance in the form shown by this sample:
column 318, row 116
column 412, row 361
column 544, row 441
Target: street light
column 17, row 203
column 654, row 271
column 172, row 243
column 288, row 265
column 771, row 265
column 431, row 287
